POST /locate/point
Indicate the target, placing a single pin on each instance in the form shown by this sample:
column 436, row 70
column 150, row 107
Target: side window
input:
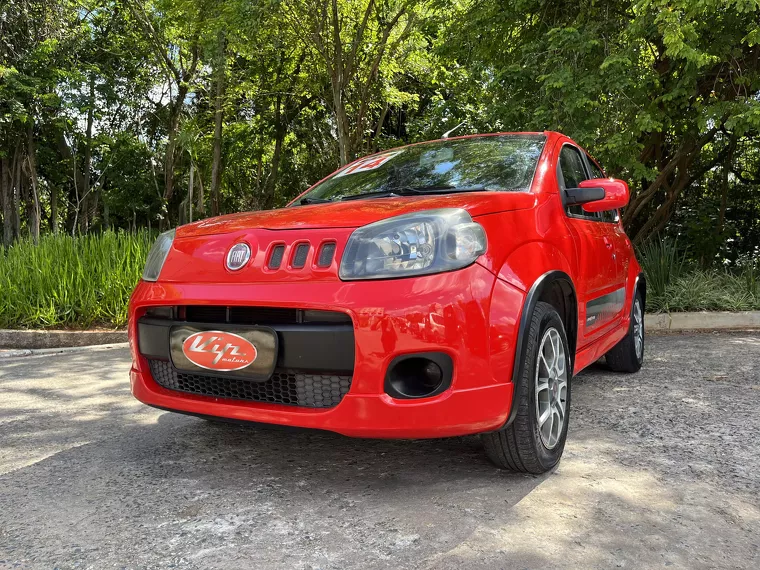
column 571, row 166
column 596, row 172
column 573, row 173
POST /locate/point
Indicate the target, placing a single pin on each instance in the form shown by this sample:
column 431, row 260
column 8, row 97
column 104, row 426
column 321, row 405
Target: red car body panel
column 472, row 315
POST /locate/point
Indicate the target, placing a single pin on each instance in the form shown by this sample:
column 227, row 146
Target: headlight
column 421, row 243
column 157, row 256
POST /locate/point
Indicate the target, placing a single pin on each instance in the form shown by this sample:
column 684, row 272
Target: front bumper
column 448, row 313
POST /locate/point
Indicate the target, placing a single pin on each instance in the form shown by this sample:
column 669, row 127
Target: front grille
column 284, row 387
column 265, row 316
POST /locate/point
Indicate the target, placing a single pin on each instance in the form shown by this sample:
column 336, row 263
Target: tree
column 647, row 86
column 354, row 39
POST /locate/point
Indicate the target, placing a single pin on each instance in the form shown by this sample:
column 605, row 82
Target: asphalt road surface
column 662, row 469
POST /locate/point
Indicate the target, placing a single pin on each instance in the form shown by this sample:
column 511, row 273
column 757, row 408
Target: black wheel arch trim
column 640, row 279
column 534, row 295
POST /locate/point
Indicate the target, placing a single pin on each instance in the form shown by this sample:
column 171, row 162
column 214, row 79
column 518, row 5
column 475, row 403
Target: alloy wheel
column 551, row 388
column 638, row 329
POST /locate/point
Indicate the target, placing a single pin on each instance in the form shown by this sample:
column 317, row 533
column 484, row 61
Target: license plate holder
column 239, row 352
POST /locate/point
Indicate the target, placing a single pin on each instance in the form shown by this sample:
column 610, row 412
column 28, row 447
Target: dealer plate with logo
column 247, row 352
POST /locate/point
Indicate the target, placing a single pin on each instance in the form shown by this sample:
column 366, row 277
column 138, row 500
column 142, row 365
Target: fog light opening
column 419, row 375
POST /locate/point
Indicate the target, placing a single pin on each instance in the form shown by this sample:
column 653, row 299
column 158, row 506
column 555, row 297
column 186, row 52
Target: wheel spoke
column 544, row 416
column 541, row 358
column 559, row 407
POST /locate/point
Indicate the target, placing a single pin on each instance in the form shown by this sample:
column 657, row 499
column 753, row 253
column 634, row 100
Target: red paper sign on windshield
column 367, row 164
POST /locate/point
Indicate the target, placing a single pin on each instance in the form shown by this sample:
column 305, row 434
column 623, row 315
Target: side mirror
column 599, row 194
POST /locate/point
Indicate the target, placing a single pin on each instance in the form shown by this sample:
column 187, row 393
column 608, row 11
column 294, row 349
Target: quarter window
column 596, row 172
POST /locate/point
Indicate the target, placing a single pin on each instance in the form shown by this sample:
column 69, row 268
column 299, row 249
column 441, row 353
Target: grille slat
column 299, row 259
column 275, row 258
column 326, row 253
column 284, row 387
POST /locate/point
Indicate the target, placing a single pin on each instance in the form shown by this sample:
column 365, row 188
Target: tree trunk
column 270, row 184
column 5, row 201
column 190, row 193
column 31, row 157
column 54, row 209
column 15, row 192
column 201, row 202
column 170, row 159
column 84, row 219
column 216, row 165
column 343, row 128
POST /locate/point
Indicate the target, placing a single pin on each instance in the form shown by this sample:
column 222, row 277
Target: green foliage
column 662, row 263
column 71, row 282
column 711, row 290
column 106, row 106
column 675, row 285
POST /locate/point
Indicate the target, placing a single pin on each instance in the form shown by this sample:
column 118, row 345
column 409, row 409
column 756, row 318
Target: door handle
column 608, row 243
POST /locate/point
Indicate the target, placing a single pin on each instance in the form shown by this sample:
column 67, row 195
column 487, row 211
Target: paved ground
column 662, row 470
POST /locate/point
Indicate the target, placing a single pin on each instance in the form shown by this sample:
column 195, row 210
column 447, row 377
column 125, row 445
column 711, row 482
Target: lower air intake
column 291, row 388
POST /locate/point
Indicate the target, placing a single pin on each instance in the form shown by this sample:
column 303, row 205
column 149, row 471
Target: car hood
column 354, row 214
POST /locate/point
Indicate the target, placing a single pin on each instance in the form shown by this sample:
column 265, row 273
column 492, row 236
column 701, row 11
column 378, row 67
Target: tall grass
column 71, row 282
column 713, row 290
column 662, row 263
column 673, row 285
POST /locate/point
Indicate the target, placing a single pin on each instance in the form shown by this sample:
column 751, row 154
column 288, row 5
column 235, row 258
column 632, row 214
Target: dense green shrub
column 674, row 284
column 707, row 291
column 71, row 281
column 86, row 281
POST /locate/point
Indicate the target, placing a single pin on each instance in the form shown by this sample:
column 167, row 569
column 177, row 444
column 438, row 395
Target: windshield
column 504, row 162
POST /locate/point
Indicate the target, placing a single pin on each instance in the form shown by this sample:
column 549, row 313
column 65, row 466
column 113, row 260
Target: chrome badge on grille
column 238, row 256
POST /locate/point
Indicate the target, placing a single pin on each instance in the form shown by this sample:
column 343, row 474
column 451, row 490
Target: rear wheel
column 628, row 354
column 534, row 441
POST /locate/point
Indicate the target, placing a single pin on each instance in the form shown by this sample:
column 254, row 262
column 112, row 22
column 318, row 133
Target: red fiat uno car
column 439, row 289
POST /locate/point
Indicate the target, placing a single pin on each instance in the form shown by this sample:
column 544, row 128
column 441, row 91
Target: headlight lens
column 421, row 243
column 157, row 256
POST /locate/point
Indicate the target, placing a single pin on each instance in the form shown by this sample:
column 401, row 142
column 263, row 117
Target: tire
column 522, row 446
column 627, row 356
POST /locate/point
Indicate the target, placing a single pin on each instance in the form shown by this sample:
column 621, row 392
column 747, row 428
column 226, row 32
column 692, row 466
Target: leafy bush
column 699, row 290
column 71, row 282
column 675, row 285
column 662, row 263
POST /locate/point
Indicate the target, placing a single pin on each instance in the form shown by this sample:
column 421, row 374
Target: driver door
column 599, row 282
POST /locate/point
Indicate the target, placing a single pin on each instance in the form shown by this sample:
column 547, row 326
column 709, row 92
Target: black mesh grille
column 292, row 388
column 262, row 315
column 326, row 255
column 299, row 259
column 239, row 315
column 275, row 258
column 205, row 314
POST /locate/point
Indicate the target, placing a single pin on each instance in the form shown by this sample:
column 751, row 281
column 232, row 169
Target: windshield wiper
column 416, row 191
column 377, row 194
column 442, row 189
column 306, row 201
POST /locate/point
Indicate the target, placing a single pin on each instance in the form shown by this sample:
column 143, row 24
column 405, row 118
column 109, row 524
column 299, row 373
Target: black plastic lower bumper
column 311, row 347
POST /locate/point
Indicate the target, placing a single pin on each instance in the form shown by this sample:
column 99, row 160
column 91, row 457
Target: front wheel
column 534, row 441
column 628, row 354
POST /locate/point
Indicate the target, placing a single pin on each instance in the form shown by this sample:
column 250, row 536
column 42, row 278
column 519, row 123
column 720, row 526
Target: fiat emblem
column 238, row 256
